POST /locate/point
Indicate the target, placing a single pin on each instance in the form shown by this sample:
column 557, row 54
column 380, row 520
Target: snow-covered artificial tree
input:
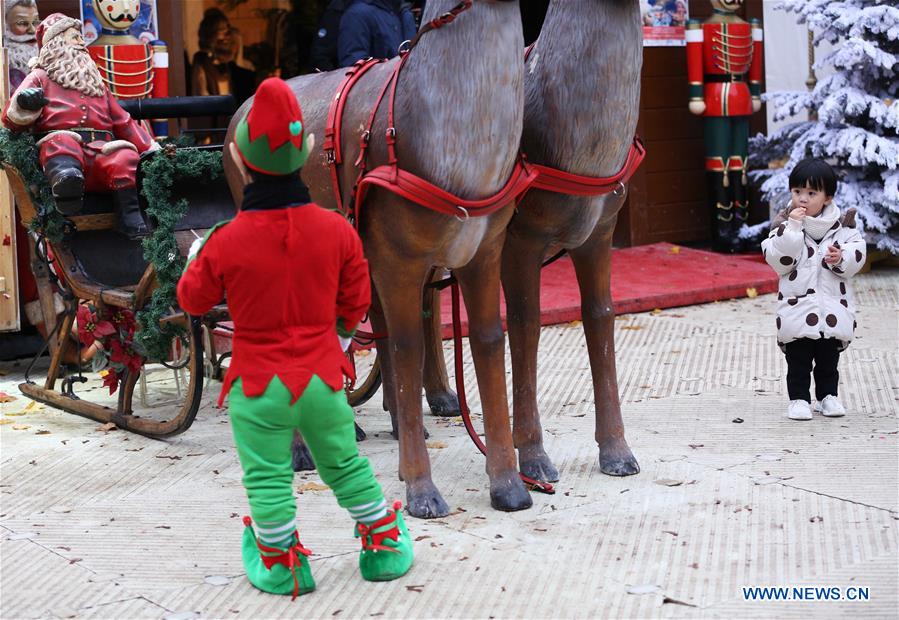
column 855, row 114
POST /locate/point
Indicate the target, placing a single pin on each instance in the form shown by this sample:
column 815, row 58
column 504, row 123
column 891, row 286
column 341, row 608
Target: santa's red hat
column 53, row 26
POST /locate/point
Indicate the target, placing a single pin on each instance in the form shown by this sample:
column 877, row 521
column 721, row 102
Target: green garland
column 153, row 340
column 160, row 249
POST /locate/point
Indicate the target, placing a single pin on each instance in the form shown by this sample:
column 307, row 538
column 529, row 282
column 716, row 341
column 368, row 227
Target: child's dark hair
column 815, row 173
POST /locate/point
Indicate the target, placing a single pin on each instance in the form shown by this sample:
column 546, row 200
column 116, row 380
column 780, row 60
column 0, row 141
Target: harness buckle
column 620, row 190
column 331, row 156
column 391, row 133
column 464, row 212
column 404, row 47
column 364, row 138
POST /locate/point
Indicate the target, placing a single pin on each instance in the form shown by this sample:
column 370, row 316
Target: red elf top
column 293, row 273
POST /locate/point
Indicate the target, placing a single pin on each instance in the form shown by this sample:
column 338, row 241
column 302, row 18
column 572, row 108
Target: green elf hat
column 270, row 138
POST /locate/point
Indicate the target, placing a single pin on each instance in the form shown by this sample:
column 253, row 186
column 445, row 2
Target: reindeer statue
column 458, row 105
column 582, row 91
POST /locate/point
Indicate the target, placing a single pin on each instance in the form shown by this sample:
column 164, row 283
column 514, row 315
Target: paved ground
column 101, row 524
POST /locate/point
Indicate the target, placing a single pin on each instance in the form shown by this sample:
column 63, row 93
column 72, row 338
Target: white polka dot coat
column 814, row 299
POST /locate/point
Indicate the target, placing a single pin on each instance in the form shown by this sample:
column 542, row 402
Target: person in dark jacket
column 323, row 55
column 373, row 28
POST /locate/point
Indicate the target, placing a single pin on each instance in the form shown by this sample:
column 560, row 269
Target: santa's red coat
column 288, row 275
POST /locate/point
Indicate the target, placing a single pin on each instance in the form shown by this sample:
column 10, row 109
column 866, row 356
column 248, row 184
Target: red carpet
column 646, row 277
column 661, row 275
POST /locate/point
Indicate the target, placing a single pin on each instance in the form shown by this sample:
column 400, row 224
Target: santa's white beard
column 20, row 53
column 71, row 67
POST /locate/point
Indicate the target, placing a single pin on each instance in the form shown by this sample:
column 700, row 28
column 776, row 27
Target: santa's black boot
column 66, row 181
column 130, row 220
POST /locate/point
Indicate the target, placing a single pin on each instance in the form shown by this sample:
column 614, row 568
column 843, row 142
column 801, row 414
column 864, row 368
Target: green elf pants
column 263, row 428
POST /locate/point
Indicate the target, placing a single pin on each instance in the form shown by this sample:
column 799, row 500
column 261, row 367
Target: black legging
column 825, row 352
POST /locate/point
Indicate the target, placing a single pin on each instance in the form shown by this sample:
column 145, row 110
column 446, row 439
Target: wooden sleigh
column 95, row 264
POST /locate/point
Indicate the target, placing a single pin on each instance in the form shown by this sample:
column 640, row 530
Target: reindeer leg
column 480, row 286
column 442, row 400
column 388, row 385
column 300, row 457
column 593, row 265
column 401, row 299
column 521, row 283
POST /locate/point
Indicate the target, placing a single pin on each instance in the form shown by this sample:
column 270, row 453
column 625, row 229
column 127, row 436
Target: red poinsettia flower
column 111, row 380
column 91, row 326
column 123, row 320
column 120, row 354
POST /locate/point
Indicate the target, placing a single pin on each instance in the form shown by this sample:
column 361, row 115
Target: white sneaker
column 799, row 410
column 830, row 407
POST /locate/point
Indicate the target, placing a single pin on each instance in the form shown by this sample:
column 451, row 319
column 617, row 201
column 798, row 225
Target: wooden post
column 9, row 290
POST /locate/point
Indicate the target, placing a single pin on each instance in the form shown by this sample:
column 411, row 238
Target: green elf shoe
column 277, row 571
column 386, row 547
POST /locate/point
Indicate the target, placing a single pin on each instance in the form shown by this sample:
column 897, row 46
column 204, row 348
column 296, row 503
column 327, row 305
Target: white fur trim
column 757, row 34
column 50, row 135
column 117, row 145
column 693, row 35
column 19, row 115
column 59, row 27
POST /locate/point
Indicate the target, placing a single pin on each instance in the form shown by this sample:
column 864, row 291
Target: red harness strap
column 562, row 182
column 390, row 176
column 331, row 145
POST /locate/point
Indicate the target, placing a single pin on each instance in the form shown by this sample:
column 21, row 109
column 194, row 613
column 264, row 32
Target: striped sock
column 369, row 513
column 277, row 535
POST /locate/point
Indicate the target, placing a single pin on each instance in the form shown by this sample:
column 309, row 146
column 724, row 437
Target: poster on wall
column 145, row 28
column 664, row 22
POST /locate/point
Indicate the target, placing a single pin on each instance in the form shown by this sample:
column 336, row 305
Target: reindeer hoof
column 425, row 502
column 616, row 459
column 510, row 495
column 444, row 404
column 360, row 434
column 538, row 466
column 301, row 459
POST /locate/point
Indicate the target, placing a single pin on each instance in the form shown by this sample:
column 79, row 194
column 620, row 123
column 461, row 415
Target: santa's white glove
column 195, row 247
column 345, row 342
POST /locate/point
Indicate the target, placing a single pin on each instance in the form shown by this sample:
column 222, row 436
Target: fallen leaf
column 668, row 482
column 33, row 406
column 5, row 421
column 6, row 398
column 751, row 293
column 656, row 311
column 816, row 519
column 42, row 433
column 436, row 445
column 737, row 420
column 632, row 327
column 670, row 532
column 418, row 538
column 415, row 588
column 696, row 445
column 312, row 486
column 21, row 427
column 674, row 249
column 673, row 601
column 170, row 457
column 109, row 426
column 163, row 527
column 74, row 560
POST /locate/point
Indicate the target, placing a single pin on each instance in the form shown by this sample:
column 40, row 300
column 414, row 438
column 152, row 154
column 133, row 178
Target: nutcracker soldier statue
column 724, row 67
column 131, row 68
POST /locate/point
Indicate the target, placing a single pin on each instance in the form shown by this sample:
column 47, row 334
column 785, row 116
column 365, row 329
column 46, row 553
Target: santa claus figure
column 20, row 22
column 87, row 142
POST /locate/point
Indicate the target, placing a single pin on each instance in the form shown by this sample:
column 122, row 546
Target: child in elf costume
column 297, row 285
